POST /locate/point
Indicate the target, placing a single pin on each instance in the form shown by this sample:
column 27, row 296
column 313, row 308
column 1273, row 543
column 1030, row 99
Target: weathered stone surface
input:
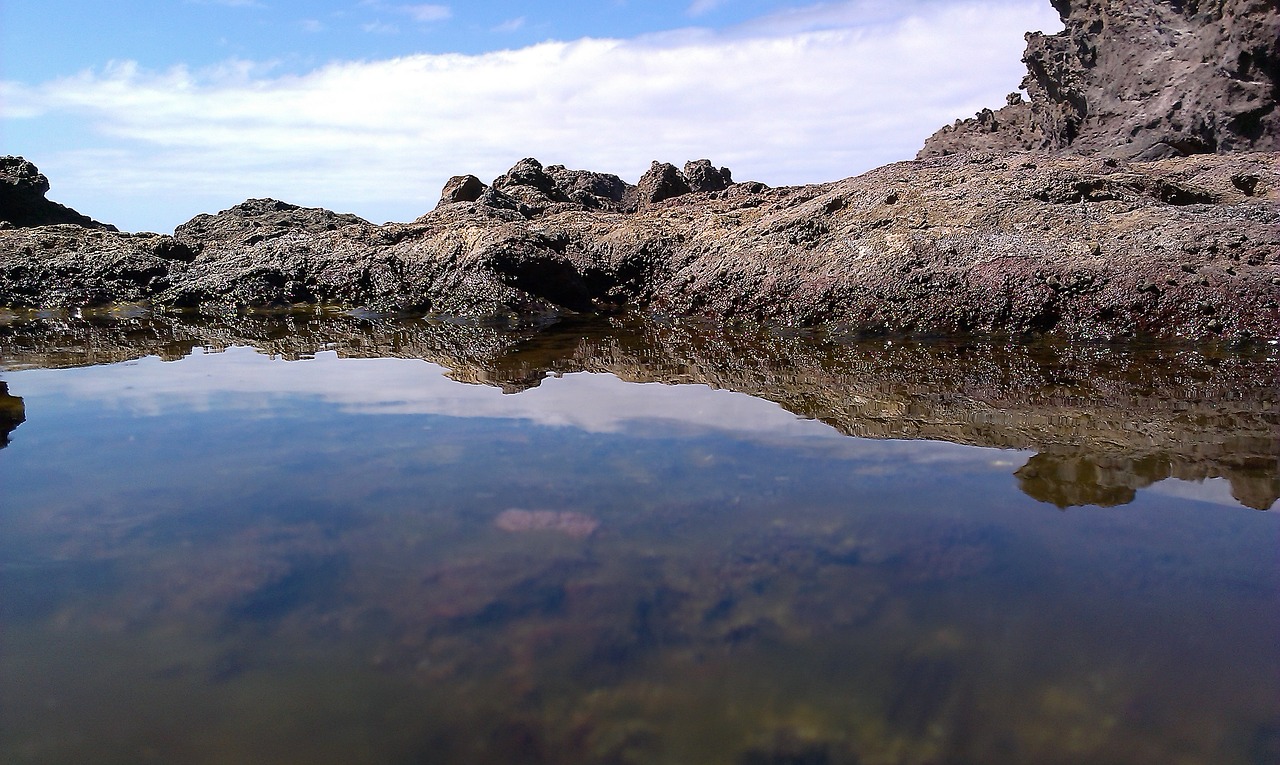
column 701, row 175
column 528, row 183
column 1081, row 247
column 257, row 220
column 22, row 199
column 1147, row 79
column 662, row 181
column 462, row 188
column 591, row 189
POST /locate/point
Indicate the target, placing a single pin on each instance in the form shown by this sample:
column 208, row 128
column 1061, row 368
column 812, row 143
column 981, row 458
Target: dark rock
column 22, row 199
column 591, row 189
column 661, row 182
column 256, row 220
column 528, row 183
column 12, row 413
column 1147, row 80
column 462, row 188
column 1067, row 246
column 496, row 200
column 701, row 175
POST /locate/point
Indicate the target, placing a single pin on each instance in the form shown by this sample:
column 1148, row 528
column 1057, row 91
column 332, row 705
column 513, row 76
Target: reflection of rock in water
column 1110, row 420
column 1071, row 479
column 12, row 414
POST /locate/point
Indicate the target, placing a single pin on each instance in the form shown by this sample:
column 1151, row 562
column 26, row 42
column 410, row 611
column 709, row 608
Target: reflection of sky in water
column 235, row 559
column 242, row 379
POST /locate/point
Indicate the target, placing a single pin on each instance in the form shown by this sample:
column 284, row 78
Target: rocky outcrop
column 701, row 175
column 662, row 181
column 1141, row 80
column 1106, row 421
column 22, row 199
column 462, row 188
column 975, row 243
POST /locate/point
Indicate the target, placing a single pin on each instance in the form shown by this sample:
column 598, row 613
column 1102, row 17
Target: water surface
column 347, row 541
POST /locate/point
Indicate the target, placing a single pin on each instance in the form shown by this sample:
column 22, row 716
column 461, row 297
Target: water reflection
column 1107, row 421
column 356, row 560
column 12, row 413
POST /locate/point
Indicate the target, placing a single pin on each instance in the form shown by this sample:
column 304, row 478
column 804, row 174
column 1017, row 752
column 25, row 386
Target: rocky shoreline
column 1035, row 220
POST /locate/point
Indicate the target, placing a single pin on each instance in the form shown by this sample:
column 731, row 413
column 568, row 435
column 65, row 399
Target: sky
column 145, row 114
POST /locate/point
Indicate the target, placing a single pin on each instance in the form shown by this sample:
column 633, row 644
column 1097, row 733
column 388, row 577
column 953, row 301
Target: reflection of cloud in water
column 242, row 379
column 245, row 380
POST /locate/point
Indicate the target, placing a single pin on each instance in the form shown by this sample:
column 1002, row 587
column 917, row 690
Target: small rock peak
column 589, row 188
column 529, row 174
column 262, row 206
column 701, row 175
column 461, row 188
column 23, row 175
column 22, row 198
column 661, row 182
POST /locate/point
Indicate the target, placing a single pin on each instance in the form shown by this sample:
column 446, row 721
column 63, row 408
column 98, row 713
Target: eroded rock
column 22, row 199
column 1148, row 80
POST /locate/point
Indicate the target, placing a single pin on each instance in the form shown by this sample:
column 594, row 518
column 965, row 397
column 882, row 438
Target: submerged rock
column 570, row 524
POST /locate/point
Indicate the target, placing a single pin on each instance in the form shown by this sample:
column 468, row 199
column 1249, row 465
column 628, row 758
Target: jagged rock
column 701, row 175
column 662, row 181
column 591, row 189
column 1144, row 80
column 22, row 199
column 528, row 183
column 256, row 220
column 1068, row 246
column 462, row 188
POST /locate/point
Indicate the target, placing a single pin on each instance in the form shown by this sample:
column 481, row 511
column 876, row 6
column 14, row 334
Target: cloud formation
column 810, row 96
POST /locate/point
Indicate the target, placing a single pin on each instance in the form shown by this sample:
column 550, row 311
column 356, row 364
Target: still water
column 364, row 541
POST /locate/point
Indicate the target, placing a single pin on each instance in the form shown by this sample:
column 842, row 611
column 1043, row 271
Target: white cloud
column 427, row 13
column 701, row 7
column 510, row 25
column 828, row 96
column 380, row 27
column 312, row 25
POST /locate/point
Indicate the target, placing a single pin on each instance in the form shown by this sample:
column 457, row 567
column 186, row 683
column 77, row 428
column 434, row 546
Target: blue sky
column 146, row 113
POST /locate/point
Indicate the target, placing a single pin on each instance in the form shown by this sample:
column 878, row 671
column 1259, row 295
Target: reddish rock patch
column 571, row 524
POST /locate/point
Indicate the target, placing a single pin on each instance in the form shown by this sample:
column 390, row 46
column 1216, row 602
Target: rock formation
column 1081, row 247
column 1141, row 80
column 23, row 203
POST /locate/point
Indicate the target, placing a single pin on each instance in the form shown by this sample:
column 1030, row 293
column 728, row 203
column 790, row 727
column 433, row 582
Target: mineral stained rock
column 1143, row 79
